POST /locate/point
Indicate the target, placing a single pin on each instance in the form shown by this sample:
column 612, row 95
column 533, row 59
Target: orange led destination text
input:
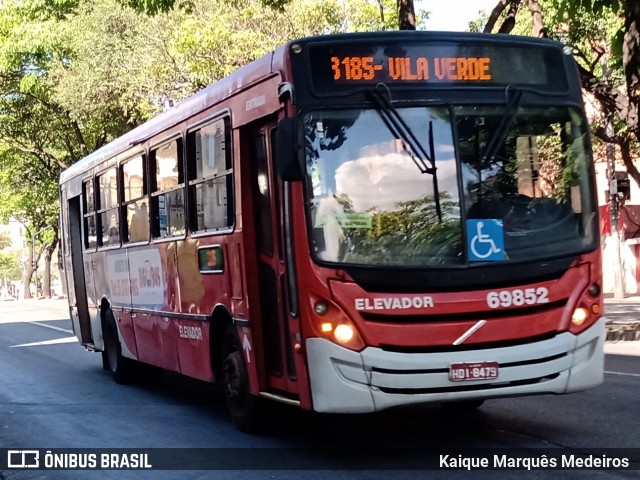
column 407, row 68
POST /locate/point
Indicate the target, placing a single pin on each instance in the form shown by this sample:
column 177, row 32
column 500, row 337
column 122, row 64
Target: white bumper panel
column 343, row 381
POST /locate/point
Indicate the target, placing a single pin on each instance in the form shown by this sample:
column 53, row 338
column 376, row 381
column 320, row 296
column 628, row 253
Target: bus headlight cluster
column 336, row 326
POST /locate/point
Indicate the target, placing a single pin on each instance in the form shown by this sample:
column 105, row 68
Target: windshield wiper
column 399, row 128
column 425, row 161
column 512, row 103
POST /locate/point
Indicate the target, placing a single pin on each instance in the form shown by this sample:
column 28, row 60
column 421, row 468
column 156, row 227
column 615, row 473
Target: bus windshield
column 370, row 204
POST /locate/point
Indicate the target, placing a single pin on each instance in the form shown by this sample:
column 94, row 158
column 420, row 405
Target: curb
column 622, row 330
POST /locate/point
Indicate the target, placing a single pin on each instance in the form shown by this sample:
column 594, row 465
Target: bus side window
column 108, row 216
column 167, row 190
column 88, row 206
column 134, row 206
column 211, row 176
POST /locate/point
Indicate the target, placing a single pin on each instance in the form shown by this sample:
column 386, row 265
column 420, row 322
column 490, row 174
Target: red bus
column 350, row 223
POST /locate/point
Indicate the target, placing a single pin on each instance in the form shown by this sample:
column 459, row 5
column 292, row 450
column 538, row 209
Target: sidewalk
column 628, row 298
column 35, row 309
column 623, row 322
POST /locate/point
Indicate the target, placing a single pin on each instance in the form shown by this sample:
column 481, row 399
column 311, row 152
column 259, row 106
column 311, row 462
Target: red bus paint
column 323, row 229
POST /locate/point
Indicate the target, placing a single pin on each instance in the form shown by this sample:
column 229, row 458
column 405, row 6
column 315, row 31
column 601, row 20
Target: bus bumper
column 344, row 381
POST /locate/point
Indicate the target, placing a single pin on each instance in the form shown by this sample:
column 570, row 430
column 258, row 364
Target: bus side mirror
column 289, row 162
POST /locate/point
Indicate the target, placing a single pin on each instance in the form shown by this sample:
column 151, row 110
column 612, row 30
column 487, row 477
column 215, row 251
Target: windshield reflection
column 369, row 203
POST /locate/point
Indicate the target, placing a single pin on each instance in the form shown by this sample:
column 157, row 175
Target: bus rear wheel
column 242, row 405
column 121, row 368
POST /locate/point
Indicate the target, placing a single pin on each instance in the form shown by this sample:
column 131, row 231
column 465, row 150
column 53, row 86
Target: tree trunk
column 27, row 275
column 46, row 282
column 495, row 15
column 510, row 20
column 536, row 18
column 29, row 270
column 406, row 15
column 381, row 7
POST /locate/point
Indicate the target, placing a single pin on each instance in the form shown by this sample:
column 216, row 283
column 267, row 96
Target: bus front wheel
column 242, row 405
column 121, row 368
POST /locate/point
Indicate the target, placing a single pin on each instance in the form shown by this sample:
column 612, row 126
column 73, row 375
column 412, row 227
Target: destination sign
column 407, row 68
column 344, row 67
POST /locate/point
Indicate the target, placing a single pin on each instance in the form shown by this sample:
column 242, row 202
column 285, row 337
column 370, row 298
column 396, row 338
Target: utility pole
column 618, row 276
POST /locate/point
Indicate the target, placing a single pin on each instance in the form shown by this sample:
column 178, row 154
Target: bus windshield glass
column 370, row 204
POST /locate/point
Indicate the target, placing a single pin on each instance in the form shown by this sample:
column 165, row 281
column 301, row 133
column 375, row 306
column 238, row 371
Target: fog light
column 579, row 316
column 321, row 307
column 594, row 290
column 343, row 333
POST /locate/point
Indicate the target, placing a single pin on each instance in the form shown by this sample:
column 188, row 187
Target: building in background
column 628, row 201
column 15, row 231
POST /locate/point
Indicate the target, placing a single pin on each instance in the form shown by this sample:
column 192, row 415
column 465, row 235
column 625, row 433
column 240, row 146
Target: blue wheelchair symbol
column 485, row 240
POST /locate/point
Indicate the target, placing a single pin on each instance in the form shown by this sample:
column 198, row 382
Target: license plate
column 462, row 372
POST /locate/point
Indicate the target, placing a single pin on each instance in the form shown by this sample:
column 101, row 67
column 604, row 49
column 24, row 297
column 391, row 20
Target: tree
column 602, row 33
column 405, row 8
column 9, row 268
column 39, row 136
column 511, row 7
column 75, row 74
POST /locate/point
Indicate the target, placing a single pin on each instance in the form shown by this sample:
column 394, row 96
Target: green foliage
column 74, row 74
column 605, row 39
column 9, row 267
column 477, row 25
column 414, row 229
column 150, row 7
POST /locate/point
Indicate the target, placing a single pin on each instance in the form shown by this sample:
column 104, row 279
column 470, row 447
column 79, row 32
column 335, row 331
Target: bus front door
column 278, row 328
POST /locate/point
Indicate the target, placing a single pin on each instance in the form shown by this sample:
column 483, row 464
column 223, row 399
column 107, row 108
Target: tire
column 123, row 369
column 242, row 406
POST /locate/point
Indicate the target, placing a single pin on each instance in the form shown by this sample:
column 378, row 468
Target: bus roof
column 192, row 105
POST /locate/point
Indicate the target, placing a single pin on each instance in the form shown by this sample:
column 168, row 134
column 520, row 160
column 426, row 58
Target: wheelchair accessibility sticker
column 485, row 240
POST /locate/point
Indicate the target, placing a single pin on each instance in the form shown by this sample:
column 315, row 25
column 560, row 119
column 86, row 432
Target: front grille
column 533, row 361
column 470, row 346
column 468, row 387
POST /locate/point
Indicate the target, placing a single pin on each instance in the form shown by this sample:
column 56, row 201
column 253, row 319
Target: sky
column 453, row 15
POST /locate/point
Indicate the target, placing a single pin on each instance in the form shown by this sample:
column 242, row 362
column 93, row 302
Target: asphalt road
column 53, row 394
